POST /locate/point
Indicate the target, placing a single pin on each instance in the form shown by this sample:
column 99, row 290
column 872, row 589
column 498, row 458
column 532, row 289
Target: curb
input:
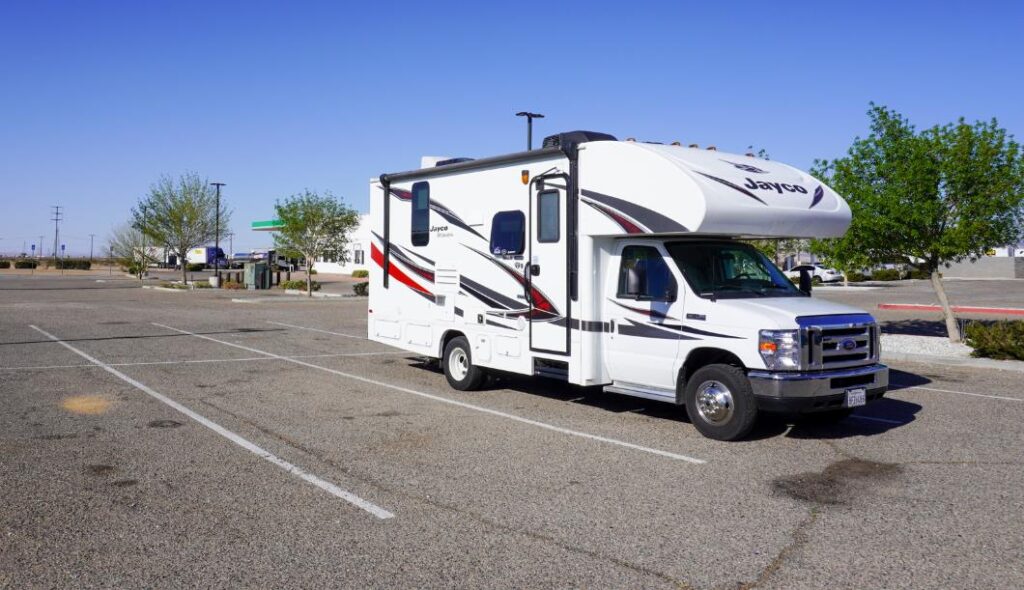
column 315, row 293
column 167, row 289
column 956, row 308
column 976, row 363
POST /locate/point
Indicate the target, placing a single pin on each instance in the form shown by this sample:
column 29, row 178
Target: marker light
column 525, row 175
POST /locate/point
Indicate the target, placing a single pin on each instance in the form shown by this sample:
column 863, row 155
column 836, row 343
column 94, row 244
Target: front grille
column 841, row 345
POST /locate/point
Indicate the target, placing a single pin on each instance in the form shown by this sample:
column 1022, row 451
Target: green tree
column 926, row 198
column 181, row 215
column 314, row 226
column 128, row 246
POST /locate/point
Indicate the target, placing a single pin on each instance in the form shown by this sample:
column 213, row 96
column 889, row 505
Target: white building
column 358, row 252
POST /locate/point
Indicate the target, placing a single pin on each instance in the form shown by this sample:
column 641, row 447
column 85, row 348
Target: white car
column 825, row 275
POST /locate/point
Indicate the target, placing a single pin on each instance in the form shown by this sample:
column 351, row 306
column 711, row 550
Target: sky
column 99, row 99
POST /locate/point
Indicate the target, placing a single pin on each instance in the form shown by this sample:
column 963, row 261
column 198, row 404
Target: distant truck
column 208, row 256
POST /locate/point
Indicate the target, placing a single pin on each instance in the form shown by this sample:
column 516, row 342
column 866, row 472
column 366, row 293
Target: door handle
column 534, row 270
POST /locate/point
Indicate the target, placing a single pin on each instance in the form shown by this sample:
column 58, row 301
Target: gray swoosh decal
column 656, row 222
column 732, row 186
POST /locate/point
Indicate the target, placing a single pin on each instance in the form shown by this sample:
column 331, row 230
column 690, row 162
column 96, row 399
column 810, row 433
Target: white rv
column 620, row 264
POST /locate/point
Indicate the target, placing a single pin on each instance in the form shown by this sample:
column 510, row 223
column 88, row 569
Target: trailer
column 624, row 265
column 208, row 256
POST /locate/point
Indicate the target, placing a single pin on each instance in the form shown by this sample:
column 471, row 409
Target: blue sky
column 98, row 99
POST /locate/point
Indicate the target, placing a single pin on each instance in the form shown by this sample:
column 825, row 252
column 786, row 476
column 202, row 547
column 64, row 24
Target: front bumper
column 816, row 391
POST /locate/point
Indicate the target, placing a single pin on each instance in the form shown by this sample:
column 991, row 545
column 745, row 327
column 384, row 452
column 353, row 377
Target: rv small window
column 548, row 221
column 644, row 275
column 420, row 214
column 507, row 233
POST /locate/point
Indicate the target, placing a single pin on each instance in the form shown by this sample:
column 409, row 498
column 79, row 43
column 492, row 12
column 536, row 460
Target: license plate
column 856, row 397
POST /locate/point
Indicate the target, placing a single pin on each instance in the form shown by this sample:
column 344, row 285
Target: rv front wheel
column 458, row 366
column 720, row 402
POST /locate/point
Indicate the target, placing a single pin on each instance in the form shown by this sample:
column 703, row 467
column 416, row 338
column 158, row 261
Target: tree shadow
column 876, row 418
column 915, row 327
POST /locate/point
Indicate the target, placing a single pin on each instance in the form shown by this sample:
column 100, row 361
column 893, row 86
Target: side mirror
column 805, row 281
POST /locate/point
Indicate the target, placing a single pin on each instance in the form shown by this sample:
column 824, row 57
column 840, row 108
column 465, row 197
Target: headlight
column 780, row 349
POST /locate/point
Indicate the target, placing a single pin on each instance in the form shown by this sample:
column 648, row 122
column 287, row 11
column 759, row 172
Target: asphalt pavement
column 158, row 439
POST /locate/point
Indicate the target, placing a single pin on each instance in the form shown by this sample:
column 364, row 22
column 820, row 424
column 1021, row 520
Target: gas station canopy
column 269, row 225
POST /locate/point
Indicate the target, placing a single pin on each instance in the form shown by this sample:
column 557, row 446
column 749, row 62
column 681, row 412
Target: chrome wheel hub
column 714, row 402
column 458, row 364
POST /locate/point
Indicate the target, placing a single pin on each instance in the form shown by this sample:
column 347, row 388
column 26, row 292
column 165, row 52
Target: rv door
column 547, row 267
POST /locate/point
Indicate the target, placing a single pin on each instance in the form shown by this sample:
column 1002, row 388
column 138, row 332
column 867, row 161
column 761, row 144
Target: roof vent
column 571, row 139
column 694, row 146
column 712, row 148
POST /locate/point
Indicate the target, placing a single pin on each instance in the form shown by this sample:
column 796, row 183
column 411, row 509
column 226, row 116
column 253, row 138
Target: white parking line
column 238, row 440
column 317, row 330
column 1002, row 397
column 445, row 400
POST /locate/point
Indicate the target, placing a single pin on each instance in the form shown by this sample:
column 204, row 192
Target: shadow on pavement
column 876, row 418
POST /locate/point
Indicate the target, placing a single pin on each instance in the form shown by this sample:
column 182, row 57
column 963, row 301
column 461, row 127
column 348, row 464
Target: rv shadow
column 879, row 417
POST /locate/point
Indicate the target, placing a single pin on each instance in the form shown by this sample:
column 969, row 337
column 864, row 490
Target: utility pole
column 56, row 219
column 40, row 254
column 529, row 126
column 216, row 239
column 91, row 236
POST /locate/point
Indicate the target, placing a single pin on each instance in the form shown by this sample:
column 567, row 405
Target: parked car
column 818, row 271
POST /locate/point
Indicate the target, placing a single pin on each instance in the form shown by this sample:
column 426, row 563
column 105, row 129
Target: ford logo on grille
column 848, row 344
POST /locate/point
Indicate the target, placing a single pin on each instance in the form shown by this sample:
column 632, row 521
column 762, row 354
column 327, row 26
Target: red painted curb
column 956, row 308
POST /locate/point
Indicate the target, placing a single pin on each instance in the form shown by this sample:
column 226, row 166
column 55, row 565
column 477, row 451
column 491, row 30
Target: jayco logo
column 776, row 186
column 438, row 228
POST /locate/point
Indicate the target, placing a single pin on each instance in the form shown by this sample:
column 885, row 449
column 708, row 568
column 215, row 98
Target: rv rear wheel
column 720, row 402
column 458, row 366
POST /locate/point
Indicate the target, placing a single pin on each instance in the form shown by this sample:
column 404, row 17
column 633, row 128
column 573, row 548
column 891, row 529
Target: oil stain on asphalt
column 164, row 424
column 837, row 483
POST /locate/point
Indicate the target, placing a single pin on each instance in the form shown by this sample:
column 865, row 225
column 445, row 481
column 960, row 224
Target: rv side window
column 420, row 214
column 644, row 275
column 548, row 220
column 507, row 232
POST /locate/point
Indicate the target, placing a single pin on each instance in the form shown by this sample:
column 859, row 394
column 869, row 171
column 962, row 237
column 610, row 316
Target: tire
column 720, row 402
column 458, row 366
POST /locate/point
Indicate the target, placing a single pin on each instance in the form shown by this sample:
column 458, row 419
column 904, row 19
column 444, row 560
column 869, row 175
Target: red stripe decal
column 396, row 272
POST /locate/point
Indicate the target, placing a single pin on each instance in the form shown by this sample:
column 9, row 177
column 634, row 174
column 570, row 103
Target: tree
column 314, row 226
column 181, row 215
column 128, row 246
column 927, row 198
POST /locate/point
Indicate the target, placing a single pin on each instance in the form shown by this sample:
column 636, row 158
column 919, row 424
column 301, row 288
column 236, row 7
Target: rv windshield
column 731, row 270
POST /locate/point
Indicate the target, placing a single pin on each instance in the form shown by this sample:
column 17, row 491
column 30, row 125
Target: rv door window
column 548, row 221
column 420, row 214
column 644, row 275
column 508, row 233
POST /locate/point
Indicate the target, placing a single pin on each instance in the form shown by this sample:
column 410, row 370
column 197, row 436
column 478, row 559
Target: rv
column 624, row 265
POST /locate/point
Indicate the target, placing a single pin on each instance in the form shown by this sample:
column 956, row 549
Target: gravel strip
column 929, row 345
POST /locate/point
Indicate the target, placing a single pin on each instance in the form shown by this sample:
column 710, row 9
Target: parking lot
column 169, row 439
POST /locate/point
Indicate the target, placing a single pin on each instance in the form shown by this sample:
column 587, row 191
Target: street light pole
column 529, row 126
column 91, row 236
column 216, row 238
